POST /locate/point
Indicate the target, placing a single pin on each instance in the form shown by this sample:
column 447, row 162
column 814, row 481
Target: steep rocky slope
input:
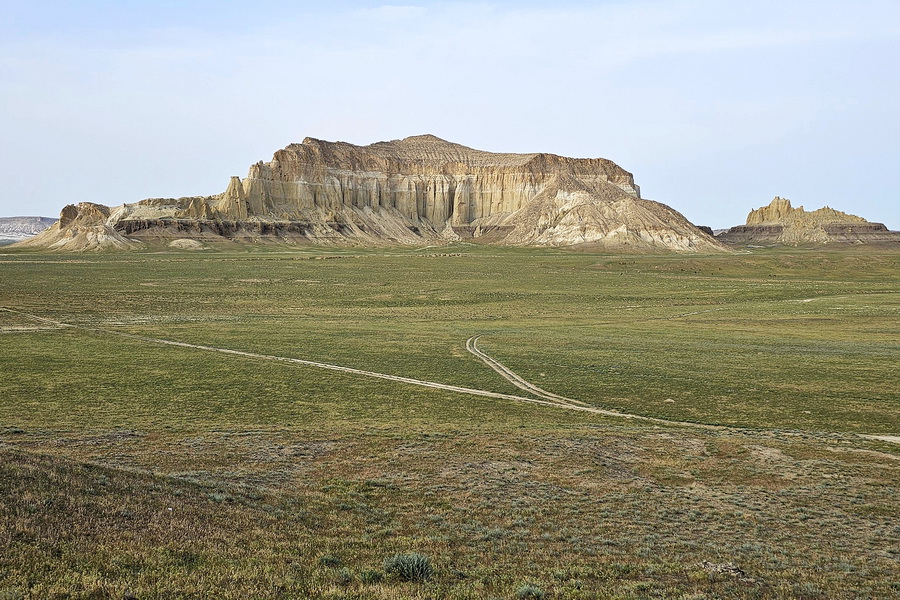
column 83, row 226
column 780, row 223
column 417, row 189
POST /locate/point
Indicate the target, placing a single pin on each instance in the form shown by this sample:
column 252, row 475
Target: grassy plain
column 288, row 481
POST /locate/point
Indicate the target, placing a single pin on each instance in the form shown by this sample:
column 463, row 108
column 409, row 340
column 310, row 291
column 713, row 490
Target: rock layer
column 780, row 223
column 21, row 228
column 420, row 189
column 84, row 226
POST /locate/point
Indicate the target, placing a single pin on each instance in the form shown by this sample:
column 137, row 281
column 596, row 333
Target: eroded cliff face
column 779, row 211
column 420, row 189
column 421, row 178
column 781, row 223
column 22, row 228
column 84, row 226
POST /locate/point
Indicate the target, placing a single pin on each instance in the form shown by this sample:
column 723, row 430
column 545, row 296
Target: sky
column 714, row 106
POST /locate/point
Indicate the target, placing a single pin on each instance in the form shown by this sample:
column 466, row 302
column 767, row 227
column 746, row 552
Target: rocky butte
column 780, row 223
column 410, row 191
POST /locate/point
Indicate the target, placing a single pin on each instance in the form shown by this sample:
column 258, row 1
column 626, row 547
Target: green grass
column 785, row 340
column 272, row 468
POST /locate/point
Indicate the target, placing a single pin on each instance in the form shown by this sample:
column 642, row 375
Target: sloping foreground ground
column 580, row 511
column 134, row 469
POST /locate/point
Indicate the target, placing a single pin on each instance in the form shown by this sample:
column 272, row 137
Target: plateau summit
column 410, row 191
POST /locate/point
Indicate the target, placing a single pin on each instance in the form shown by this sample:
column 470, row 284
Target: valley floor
column 134, row 468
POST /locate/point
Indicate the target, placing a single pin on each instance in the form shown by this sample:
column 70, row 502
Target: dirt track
column 514, row 378
column 546, row 398
column 310, row 363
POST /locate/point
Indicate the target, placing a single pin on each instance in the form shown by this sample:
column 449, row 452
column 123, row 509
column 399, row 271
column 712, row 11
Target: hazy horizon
column 714, row 110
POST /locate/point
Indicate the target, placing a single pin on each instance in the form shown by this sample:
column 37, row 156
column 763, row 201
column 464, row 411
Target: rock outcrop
column 22, row 228
column 419, row 189
column 85, row 226
column 780, row 223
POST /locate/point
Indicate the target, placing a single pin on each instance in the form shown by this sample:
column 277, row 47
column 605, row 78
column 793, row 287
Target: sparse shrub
column 327, row 560
column 409, row 567
column 807, row 591
column 529, row 591
column 345, row 577
column 183, row 558
column 371, row 576
column 220, row 497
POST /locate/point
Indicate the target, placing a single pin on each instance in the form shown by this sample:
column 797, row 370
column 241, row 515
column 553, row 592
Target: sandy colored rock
column 186, row 244
column 85, row 226
column 421, row 189
column 781, row 223
column 780, row 211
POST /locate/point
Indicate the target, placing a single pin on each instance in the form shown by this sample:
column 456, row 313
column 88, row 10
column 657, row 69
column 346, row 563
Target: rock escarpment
column 22, row 228
column 420, row 189
column 780, row 223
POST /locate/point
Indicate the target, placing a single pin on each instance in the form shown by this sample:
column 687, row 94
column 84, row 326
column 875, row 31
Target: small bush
column 529, row 592
column 220, row 497
column 409, row 567
column 328, row 560
column 345, row 577
column 371, row 576
column 182, row 558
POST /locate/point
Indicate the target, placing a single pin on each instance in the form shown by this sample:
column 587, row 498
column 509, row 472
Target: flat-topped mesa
column 421, row 188
column 780, row 223
column 421, row 178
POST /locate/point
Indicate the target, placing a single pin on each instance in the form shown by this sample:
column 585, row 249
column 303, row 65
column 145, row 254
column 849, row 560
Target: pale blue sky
column 715, row 107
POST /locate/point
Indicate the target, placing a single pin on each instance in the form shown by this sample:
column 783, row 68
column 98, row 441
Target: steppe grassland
column 295, row 480
column 780, row 340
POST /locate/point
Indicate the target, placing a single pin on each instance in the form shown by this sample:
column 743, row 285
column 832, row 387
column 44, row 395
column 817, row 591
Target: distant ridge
column 418, row 189
column 22, row 228
column 781, row 223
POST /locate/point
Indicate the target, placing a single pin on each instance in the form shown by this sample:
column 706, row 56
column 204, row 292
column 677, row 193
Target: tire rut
column 514, row 378
column 309, row 363
column 546, row 398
